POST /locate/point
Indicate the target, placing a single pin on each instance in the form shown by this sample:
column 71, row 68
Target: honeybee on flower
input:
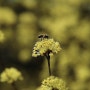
column 45, row 45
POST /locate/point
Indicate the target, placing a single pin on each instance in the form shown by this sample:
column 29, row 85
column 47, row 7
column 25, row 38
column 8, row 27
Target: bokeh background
column 67, row 21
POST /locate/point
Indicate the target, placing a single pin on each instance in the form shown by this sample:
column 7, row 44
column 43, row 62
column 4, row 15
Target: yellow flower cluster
column 44, row 88
column 45, row 45
column 2, row 36
column 10, row 75
column 53, row 83
column 7, row 16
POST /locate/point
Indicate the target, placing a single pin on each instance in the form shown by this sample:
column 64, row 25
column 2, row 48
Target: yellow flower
column 10, row 75
column 44, row 46
column 44, row 88
column 53, row 83
column 7, row 16
column 2, row 36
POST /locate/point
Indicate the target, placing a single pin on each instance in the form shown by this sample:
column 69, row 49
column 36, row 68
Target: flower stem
column 49, row 67
column 48, row 60
column 14, row 86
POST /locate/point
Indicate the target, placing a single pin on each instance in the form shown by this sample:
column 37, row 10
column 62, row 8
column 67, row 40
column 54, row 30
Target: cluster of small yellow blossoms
column 53, row 83
column 44, row 46
column 44, row 88
column 2, row 36
column 10, row 75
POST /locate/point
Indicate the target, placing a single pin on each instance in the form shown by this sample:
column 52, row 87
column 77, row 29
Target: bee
column 43, row 36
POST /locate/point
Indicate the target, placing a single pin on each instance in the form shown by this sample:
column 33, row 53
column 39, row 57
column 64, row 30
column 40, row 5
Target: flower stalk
column 14, row 86
column 48, row 60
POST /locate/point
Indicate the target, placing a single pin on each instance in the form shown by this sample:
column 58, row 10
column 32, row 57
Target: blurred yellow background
column 67, row 21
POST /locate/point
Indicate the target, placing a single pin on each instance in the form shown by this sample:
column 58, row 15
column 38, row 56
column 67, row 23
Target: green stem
column 49, row 67
column 48, row 60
